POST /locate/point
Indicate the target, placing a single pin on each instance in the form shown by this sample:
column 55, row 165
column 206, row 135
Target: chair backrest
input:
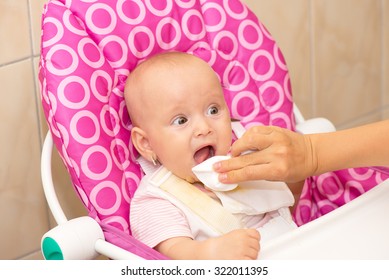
column 88, row 48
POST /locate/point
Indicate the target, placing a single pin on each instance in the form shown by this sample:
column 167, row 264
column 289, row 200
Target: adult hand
column 277, row 155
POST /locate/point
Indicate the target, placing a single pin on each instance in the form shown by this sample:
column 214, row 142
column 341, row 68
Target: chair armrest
column 80, row 239
column 316, row 125
column 47, row 181
column 356, row 230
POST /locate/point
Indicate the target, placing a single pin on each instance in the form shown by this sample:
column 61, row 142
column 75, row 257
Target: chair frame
column 300, row 242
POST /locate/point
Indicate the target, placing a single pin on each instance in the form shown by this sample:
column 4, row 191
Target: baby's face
column 188, row 120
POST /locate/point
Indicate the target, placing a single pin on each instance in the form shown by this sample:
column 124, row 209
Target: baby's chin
column 187, row 176
column 191, row 179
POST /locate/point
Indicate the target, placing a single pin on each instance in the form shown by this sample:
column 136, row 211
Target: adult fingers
column 256, row 138
column 248, row 173
column 234, row 163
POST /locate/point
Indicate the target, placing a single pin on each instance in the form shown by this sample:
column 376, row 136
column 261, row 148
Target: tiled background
column 338, row 56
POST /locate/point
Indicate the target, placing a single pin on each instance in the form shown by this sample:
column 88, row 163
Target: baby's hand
column 240, row 244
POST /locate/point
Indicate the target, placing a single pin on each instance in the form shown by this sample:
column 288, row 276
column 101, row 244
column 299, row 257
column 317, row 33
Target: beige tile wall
column 337, row 52
column 14, row 22
column 289, row 23
column 357, row 74
column 23, row 211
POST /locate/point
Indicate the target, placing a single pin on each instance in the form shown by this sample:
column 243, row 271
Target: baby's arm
column 240, row 244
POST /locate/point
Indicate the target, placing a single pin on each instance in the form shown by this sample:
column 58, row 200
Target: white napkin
column 205, row 173
column 251, row 197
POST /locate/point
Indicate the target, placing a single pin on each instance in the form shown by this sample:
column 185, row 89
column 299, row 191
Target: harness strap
column 209, row 210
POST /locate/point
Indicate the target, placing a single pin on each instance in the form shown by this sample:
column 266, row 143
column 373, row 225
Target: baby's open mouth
column 203, row 154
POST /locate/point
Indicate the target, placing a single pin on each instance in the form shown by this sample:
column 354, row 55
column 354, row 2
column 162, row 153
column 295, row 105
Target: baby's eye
column 213, row 110
column 179, row 121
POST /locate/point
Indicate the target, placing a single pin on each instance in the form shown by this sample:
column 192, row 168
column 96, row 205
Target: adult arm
column 282, row 155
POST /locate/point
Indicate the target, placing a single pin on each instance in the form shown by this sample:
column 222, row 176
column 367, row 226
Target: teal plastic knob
column 51, row 250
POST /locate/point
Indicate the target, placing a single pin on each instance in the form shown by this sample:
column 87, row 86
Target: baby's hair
column 143, row 73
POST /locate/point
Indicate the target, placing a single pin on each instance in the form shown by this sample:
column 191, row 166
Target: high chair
column 88, row 48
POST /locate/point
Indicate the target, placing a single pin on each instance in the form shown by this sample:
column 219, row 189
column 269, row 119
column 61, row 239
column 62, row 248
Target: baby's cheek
column 225, row 149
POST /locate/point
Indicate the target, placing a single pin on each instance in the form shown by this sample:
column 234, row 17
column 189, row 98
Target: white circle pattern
column 98, row 202
column 185, row 25
column 160, row 13
column 131, row 38
column 79, row 29
column 62, row 96
column 159, row 33
column 81, row 45
column 74, row 127
column 222, row 14
column 125, row 18
column 242, row 37
column 59, row 34
column 90, row 21
column 67, row 70
column 86, row 167
column 94, row 82
column 226, row 50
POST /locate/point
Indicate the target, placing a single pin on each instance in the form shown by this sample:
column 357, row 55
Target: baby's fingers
column 253, row 244
column 252, row 232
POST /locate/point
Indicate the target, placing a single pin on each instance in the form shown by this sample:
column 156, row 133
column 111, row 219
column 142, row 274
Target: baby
column 180, row 119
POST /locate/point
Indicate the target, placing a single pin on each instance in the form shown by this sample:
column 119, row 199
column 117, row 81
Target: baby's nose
column 202, row 128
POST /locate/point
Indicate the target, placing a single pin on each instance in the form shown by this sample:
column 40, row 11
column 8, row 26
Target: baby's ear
column 141, row 143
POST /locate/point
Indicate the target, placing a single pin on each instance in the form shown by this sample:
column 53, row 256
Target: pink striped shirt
column 154, row 219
